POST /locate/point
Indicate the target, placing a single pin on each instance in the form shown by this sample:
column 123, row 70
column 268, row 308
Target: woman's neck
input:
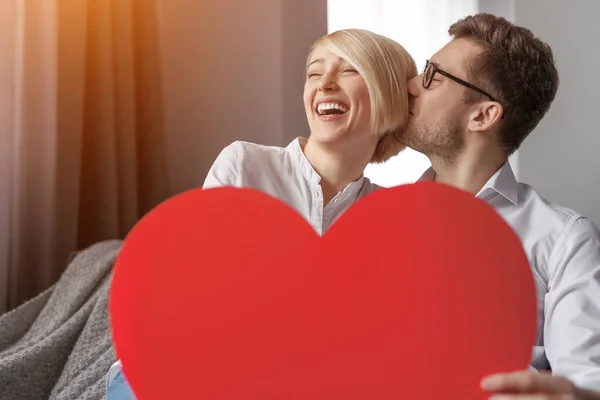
column 336, row 167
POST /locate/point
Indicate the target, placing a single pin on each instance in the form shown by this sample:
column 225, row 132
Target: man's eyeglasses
column 431, row 69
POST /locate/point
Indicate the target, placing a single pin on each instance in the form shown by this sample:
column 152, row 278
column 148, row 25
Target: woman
column 355, row 98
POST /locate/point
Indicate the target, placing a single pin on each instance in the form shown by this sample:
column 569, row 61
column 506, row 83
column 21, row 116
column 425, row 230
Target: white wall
column 560, row 158
column 232, row 70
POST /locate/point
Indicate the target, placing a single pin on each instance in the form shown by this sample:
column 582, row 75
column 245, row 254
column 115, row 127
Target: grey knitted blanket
column 58, row 345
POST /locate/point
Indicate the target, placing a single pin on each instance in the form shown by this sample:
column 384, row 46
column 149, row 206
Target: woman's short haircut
column 386, row 68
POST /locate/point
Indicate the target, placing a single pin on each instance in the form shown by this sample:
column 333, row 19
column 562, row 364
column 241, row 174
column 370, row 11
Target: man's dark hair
column 515, row 67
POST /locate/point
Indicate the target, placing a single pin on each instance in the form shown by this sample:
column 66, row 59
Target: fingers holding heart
column 529, row 385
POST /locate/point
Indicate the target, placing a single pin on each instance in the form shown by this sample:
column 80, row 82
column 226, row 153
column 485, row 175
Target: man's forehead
column 455, row 55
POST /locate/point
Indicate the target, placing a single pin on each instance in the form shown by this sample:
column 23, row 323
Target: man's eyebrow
column 434, row 63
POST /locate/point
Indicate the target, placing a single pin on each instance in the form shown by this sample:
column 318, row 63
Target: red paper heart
column 416, row 292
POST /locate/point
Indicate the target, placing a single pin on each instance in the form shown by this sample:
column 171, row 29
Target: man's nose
column 414, row 86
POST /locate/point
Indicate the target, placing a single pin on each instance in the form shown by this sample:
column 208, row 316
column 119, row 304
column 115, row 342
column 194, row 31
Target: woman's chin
column 331, row 135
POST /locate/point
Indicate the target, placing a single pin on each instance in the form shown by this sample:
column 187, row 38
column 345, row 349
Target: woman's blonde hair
column 386, row 67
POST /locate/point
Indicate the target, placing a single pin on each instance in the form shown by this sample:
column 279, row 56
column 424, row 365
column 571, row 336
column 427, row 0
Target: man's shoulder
column 552, row 219
column 531, row 199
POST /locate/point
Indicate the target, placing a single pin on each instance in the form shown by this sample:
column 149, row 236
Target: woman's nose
column 327, row 82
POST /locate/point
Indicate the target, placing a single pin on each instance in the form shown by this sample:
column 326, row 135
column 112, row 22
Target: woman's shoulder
column 241, row 152
column 244, row 149
column 250, row 154
column 244, row 163
column 252, row 148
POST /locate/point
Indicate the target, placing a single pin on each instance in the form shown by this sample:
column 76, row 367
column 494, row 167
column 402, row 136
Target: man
column 478, row 98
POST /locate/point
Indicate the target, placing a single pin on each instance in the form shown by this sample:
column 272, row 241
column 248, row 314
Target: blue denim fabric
column 119, row 389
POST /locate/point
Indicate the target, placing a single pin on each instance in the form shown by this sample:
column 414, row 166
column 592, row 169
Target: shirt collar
column 502, row 182
column 295, row 149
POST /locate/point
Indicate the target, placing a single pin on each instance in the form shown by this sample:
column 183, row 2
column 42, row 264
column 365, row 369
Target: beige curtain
column 82, row 153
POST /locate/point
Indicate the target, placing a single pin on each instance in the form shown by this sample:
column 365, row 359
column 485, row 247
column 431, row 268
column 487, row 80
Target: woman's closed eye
column 347, row 70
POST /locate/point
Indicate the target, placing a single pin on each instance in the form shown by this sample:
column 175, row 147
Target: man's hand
column 528, row 385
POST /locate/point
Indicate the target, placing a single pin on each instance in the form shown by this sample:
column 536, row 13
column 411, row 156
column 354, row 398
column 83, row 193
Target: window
column 422, row 28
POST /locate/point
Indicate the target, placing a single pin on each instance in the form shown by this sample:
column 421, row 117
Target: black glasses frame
column 428, row 78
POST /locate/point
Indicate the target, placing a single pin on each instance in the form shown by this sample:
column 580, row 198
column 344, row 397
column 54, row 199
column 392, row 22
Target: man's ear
column 485, row 116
